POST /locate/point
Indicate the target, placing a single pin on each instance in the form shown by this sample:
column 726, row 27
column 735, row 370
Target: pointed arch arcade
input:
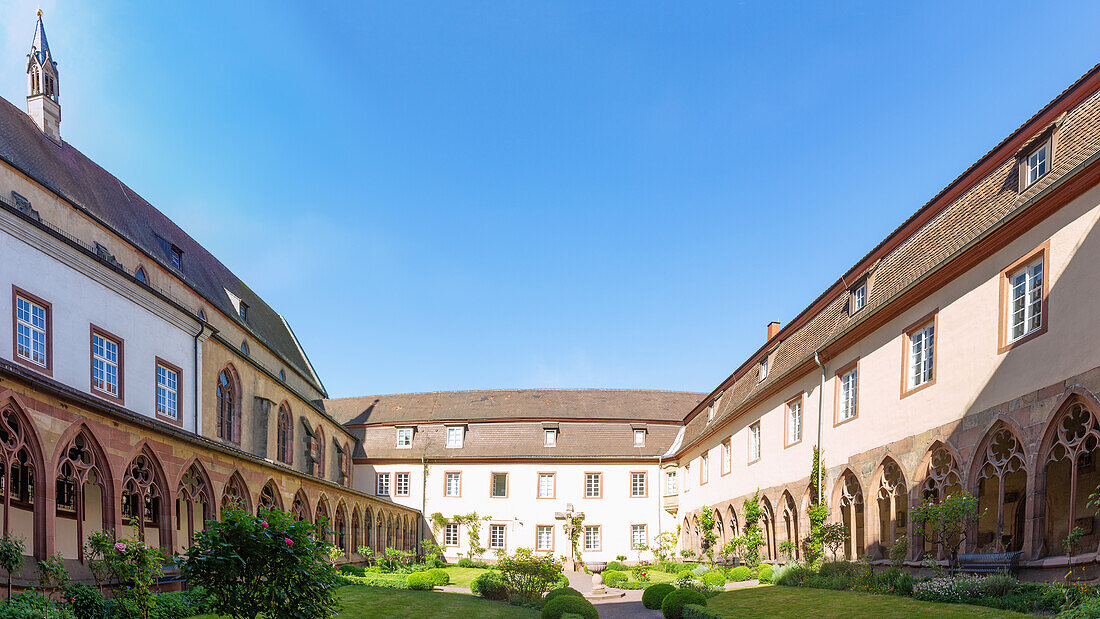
column 21, row 462
column 82, row 466
column 1000, row 483
column 145, row 497
column 194, row 502
column 891, row 505
column 1069, row 473
column 235, row 493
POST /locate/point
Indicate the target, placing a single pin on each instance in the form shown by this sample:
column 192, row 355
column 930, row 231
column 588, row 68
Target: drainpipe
column 660, row 494
column 196, row 380
column 423, row 501
column 820, row 421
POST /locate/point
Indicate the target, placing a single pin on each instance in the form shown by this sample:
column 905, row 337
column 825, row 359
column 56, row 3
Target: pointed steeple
column 43, row 87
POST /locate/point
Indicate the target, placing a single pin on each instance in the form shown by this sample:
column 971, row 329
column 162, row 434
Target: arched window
column 790, row 526
column 1072, row 439
column 851, row 514
column 236, row 494
column 141, row 497
column 893, row 504
column 300, row 508
column 1002, row 486
column 202, row 314
column 229, row 422
column 244, row 347
column 194, row 503
column 282, row 375
column 285, row 435
column 269, row 498
column 356, row 540
column 942, row 479
column 139, row 274
column 319, row 457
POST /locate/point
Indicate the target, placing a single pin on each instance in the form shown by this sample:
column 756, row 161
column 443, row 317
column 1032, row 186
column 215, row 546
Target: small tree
column 752, row 539
column 11, row 556
column 527, row 576
column 134, row 566
column 947, row 521
column 271, row 565
column 706, row 527
column 834, row 535
column 664, row 543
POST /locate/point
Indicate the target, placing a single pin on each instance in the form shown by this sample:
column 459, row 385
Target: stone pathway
column 630, row 605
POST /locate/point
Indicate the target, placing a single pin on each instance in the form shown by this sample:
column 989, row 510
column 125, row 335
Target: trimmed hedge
column 694, row 611
column 553, row 593
column 616, row 566
column 685, row 574
column 490, row 586
column 765, row 574
column 419, row 581
column 673, row 605
column 741, row 573
column 714, row 579
column 389, row 581
column 439, row 576
column 566, row 604
column 614, row 578
column 655, row 594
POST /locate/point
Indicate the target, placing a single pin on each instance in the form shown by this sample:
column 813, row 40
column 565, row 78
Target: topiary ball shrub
column 673, row 605
column 615, row 565
column 464, row 562
column 553, row 593
column 419, row 581
column 489, row 586
column 714, row 579
column 439, row 576
column 655, row 594
column 685, row 574
column 614, row 578
column 765, row 574
column 566, row 604
column 741, row 573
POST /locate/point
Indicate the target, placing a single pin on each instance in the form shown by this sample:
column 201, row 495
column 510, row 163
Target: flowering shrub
column 947, row 589
column 527, row 576
column 270, row 564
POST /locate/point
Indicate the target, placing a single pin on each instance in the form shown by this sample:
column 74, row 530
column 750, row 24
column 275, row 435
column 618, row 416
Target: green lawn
column 463, row 576
column 771, row 601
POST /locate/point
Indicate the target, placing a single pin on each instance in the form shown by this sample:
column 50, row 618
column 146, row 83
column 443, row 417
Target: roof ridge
column 550, row 389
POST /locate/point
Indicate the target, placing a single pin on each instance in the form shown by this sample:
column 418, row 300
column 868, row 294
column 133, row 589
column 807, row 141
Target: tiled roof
column 972, row 213
column 585, row 404
column 77, row 179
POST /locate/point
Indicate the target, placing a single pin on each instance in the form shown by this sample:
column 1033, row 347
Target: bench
column 990, row 562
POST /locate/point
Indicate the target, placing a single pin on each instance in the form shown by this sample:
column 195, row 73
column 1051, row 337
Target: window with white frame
column 794, row 421
column 453, row 484
column 544, row 538
column 404, row 437
column 546, row 485
column 704, row 468
column 382, row 484
column 1026, row 301
column 450, row 534
column 32, row 322
column 670, row 483
column 550, row 437
column 727, row 457
column 591, row 537
column 639, row 438
column 105, row 364
column 167, row 392
column 496, row 537
column 764, row 368
column 592, row 483
column 859, row 298
column 638, row 537
column 754, row 442
column 454, row 437
column 687, row 477
column 710, row 410
column 638, row 484
column 1037, row 164
column 499, row 485
column 849, row 395
column 922, row 346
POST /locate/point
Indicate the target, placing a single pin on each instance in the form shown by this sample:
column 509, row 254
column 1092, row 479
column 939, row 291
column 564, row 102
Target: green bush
column 465, row 562
column 685, row 574
column 654, row 595
column 33, row 605
column 419, row 581
column 700, row 569
column 565, row 604
column 354, row 570
column 175, row 605
column 614, row 578
column 793, row 576
column 673, row 605
column 616, row 566
column 553, row 593
column 997, row 585
column 86, row 601
column 669, row 567
column 439, row 576
column 714, row 579
column 389, row 581
column 741, row 573
column 765, row 574
column 490, row 586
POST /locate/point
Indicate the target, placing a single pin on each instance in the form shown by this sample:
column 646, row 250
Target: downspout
column 423, row 500
column 820, row 421
column 195, row 378
column 660, row 492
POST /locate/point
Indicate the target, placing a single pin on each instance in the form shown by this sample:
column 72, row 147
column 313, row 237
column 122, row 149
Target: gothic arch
column 81, row 461
column 323, row 515
column 850, row 510
column 356, row 530
column 235, row 492
column 228, row 399
column 998, row 477
column 270, row 497
column 731, row 520
column 21, row 451
column 790, row 523
column 767, row 523
column 1067, row 461
column 940, row 476
column 146, row 496
column 380, row 532
column 368, row 527
column 299, row 508
column 340, row 527
column 194, row 500
column 889, row 511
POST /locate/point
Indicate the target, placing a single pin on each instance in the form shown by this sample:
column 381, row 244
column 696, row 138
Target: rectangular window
column 167, row 391
column 592, row 483
column 638, row 537
column 859, row 298
column 727, row 457
column 847, row 406
column 450, row 534
column 453, row 484
column 499, row 484
column 550, row 437
column 764, row 368
column 1037, row 164
column 404, row 437
column 704, row 468
column 401, row 484
column 920, row 344
column 639, row 438
column 794, row 421
column 547, row 483
column 32, row 331
column 670, row 484
column 754, row 442
column 544, row 538
column 496, row 537
column 454, row 437
column 591, row 537
column 638, row 486
column 383, row 485
column 687, row 477
column 1026, row 301
column 106, row 363
column 177, row 257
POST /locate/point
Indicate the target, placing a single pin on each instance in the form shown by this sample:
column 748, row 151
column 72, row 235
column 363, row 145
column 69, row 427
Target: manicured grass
column 463, row 576
column 772, row 601
column 654, row 578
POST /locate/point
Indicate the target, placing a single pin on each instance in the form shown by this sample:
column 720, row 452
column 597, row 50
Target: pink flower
column 119, row 546
column 289, row 542
column 263, row 523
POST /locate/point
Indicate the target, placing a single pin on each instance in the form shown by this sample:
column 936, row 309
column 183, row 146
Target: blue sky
column 482, row 195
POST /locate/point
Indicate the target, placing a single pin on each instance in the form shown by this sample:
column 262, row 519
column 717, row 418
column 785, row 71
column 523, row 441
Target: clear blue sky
column 606, row 194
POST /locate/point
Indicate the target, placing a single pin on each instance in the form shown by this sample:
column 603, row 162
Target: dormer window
column 710, row 411
column 859, row 297
column 550, row 437
column 454, row 437
column 404, row 438
column 764, row 368
column 177, row 257
column 639, row 438
column 243, row 310
column 1037, row 164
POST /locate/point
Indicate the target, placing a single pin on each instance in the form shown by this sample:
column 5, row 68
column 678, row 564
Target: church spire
column 43, row 102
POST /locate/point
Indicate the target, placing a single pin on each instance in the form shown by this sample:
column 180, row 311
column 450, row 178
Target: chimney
column 773, row 329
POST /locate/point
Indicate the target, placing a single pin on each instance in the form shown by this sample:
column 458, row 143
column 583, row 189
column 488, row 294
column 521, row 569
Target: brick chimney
column 773, row 329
